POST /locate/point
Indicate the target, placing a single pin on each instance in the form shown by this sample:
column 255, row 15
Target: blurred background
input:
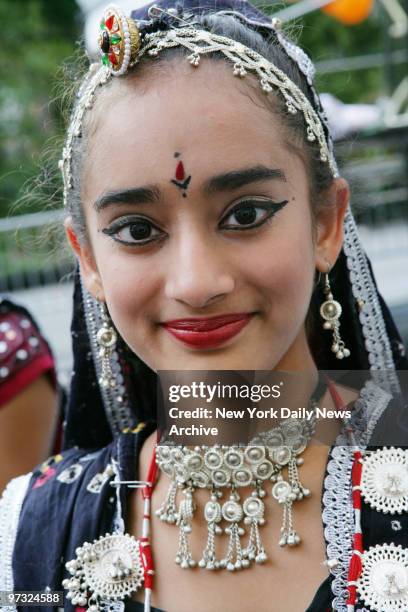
column 360, row 49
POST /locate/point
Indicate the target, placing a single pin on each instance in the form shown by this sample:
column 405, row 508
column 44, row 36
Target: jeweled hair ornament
column 119, row 40
column 201, row 43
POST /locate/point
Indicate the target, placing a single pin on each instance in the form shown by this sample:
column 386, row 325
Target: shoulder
column 24, row 353
column 43, row 513
column 67, row 501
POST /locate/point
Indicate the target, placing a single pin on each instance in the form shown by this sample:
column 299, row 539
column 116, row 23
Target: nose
column 197, row 273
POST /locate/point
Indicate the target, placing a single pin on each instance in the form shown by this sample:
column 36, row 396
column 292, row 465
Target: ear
column 87, row 264
column 329, row 240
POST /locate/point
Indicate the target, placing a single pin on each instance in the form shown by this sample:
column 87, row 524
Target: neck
column 238, row 419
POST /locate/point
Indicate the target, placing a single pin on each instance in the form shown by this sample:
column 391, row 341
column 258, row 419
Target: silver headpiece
column 122, row 46
column 201, row 43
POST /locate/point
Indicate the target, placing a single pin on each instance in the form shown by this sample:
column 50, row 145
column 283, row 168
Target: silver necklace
column 216, row 467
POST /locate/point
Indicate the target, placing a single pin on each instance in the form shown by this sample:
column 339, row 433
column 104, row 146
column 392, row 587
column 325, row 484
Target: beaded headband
column 124, row 41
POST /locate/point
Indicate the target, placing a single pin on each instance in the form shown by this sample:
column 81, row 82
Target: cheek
column 283, row 269
column 130, row 300
column 130, row 283
column 274, row 274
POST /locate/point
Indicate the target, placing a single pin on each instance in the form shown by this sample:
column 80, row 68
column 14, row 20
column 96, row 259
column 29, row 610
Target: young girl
column 213, row 232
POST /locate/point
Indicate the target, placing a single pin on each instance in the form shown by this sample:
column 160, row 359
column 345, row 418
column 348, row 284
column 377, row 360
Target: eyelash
column 271, row 208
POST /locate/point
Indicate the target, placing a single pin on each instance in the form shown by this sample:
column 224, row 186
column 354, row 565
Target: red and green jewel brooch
column 119, row 40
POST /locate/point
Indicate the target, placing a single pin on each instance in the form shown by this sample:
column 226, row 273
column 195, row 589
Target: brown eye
column 133, row 231
column 246, row 215
column 140, row 230
column 251, row 213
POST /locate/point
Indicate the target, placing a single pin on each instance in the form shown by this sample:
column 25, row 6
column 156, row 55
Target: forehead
column 215, row 120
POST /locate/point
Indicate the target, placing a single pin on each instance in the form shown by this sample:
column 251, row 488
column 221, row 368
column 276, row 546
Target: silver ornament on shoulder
column 384, row 482
column 110, row 569
column 282, row 491
column 383, row 584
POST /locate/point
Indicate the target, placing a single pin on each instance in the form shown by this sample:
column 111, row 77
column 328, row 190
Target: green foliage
column 37, row 35
column 324, row 38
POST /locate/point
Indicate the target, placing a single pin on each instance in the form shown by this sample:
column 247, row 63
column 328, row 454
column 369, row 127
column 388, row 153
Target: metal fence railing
column 376, row 167
column 33, row 251
column 379, row 199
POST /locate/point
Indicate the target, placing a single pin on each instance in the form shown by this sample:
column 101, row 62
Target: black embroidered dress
column 46, row 515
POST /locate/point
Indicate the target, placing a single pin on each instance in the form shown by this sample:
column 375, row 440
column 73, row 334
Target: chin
column 221, row 360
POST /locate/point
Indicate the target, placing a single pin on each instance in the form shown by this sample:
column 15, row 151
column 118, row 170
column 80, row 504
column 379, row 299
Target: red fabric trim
column 23, row 378
column 147, row 491
column 147, row 562
column 358, row 541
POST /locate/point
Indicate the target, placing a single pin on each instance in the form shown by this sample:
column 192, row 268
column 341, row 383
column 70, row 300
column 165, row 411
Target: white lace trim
column 374, row 400
column 338, row 516
column 10, row 508
column 371, row 318
column 338, row 520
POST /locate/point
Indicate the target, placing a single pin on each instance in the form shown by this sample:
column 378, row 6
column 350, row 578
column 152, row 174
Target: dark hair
column 267, row 45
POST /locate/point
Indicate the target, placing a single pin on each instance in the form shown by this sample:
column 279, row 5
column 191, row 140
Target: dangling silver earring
column 330, row 311
column 107, row 338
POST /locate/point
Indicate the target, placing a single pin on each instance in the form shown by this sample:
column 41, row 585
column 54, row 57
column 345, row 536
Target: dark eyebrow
column 221, row 182
column 239, row 178
column 136, row 195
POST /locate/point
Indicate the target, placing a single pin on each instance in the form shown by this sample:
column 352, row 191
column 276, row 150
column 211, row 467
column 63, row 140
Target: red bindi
column 180, row 179
column 180, row 173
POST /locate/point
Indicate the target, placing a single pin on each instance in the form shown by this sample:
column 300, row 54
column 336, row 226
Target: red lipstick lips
column 209, row 332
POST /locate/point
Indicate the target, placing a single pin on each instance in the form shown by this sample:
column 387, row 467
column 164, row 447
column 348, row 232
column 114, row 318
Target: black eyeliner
column 123, row 222
column 137, row 243
column 269, row 205
column 258, row 202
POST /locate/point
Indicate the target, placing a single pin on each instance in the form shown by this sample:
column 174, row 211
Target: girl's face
column 197, row 207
